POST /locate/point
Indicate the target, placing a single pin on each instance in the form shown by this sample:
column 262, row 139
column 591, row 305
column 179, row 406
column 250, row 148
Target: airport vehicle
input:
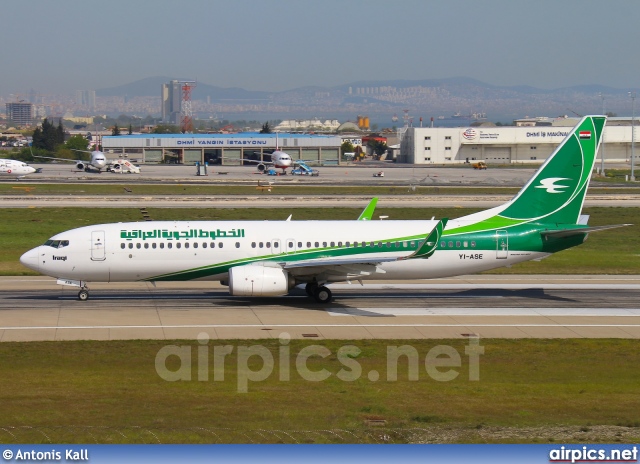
column 479, row 165
column 269, row 258
column 97, row 163
column 303, row 170
column 123, row 166
column 378, row 174
column 15, row 168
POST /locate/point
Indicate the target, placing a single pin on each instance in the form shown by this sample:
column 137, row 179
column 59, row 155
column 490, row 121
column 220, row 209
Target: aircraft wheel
column 310, row 288
column 83, row 295
column 323, row 295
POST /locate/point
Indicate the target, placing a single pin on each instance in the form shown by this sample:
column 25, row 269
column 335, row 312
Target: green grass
column 609, row 252
column 167, row 189
column 86, row 391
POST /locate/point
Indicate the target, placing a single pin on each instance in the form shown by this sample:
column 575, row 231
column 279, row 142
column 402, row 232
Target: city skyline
column 62, row 47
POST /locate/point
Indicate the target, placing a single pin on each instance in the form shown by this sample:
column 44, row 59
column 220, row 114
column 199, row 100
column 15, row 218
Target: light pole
column 602, row 143
column 633, row 133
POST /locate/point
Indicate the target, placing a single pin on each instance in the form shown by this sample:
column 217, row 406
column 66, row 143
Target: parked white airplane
column 279, row 160
column 15, row 168
column 269, row 258
column 98, row 161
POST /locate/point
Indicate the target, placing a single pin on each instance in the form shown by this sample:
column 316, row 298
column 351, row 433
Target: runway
column 485, row 306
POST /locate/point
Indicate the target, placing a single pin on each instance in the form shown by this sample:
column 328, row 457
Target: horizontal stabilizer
column 578, row 231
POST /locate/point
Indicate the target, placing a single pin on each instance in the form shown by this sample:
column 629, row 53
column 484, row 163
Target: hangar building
column 505, row 145
column 225, row 149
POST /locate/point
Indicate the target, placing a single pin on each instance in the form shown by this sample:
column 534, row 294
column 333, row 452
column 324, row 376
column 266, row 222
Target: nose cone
column 30, row 170
column 31, row 259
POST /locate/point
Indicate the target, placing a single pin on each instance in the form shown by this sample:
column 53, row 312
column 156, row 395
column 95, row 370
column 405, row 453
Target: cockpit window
column 57, row 243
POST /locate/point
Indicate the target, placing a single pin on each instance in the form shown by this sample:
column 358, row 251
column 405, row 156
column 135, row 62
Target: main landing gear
column 321, row 293
column 83, row 295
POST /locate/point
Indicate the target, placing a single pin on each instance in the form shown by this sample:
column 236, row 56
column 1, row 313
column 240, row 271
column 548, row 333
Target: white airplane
column 269, row 258
column 279, row 160
column 15, row 168
column 98, row 161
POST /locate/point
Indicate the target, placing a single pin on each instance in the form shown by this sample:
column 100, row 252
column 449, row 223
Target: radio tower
column 186, row 122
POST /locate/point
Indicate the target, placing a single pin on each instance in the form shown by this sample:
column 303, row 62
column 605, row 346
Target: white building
column 504, row 145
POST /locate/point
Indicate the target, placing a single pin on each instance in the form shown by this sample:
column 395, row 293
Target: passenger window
column 333, row 244
column 290, row 244
column 299, row 244
column 178, row 245
column 153, row 245
column 389, row 244
column 169, row 245
column 186, row 245
column 268, row 244
column 253, row 244
column 138, row 246
column 237, row 244
column 122, row 245
column 348, row 244
column 162, row 245
column 465, row 244
column 275, row 244
column 379, row 244
column 260, row 245
column 473, row 244
column 195, row 245
column 212, row 245
column 340, row 244
column 220, row 244
column 308, row 244
column 457, row 244
column 204, row 244
column 146, row 246
column 317, row 244
column 450, row 244
column 443, row 244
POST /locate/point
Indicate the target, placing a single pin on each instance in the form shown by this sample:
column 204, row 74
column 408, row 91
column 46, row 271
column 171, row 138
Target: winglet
column 367, row 213
column 430, row 244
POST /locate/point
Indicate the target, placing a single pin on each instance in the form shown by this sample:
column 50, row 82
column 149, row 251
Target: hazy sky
column 60, row 46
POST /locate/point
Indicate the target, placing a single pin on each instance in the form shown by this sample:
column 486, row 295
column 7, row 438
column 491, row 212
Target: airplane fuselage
column 15, row 168
column 178, row 251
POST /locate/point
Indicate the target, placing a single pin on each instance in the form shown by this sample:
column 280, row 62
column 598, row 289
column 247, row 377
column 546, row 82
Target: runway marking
column 501, row 312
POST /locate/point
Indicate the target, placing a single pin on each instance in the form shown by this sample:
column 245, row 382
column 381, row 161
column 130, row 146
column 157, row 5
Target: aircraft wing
column 256, row 161
column 547, row 234
column 351, row 268
column 67, row 160
column 367, row 213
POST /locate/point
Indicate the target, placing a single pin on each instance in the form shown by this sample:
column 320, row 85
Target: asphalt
column 486, row 306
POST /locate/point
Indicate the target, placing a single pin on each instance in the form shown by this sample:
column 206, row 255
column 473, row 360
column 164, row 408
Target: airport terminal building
column 224, row 149
column 504, row 145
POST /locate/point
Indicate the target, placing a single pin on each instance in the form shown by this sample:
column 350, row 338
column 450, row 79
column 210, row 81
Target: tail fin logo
column 550, row 184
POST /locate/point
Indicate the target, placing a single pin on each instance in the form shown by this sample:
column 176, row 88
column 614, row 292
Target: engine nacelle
column 80, row 166
column 261, row 167
column 256, row 280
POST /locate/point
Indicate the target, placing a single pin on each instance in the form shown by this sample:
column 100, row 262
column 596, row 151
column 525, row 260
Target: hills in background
column 438, row 98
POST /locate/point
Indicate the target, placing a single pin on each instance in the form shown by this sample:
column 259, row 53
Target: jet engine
column 258, row 280
column 261, row 167
column 80, row 166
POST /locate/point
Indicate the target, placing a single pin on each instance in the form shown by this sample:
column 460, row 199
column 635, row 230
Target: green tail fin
column 556, row 192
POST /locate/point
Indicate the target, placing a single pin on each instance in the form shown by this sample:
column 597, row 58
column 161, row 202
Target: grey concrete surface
column 486, row 306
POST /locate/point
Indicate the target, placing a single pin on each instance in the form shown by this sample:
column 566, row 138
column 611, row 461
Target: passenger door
column 502, row 244
column 98, row 252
